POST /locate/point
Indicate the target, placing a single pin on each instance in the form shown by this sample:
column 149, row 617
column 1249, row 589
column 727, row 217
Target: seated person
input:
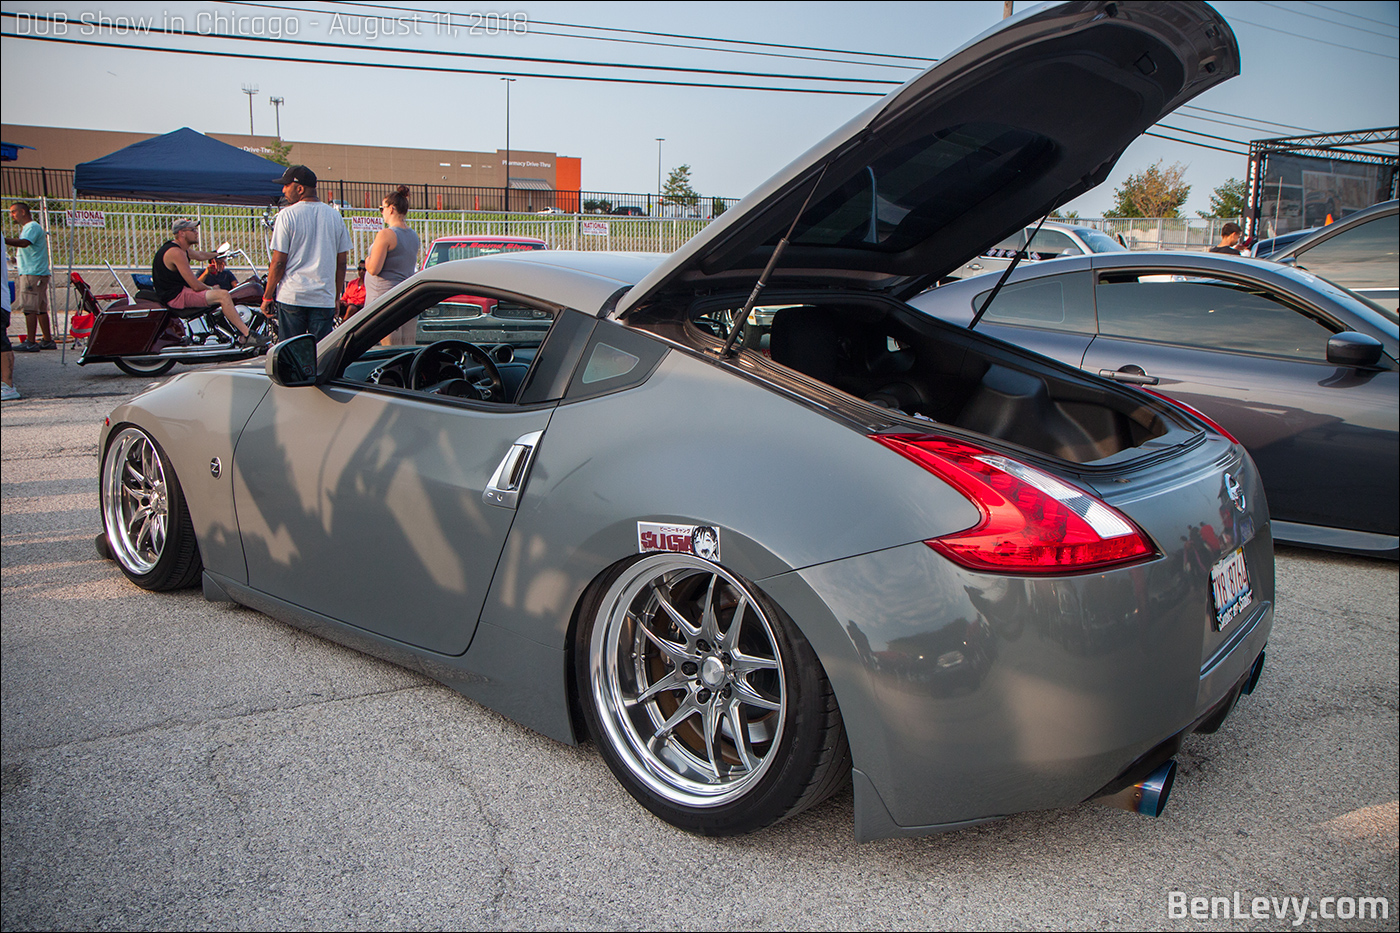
column 216, row 275
column 176, row 286
column 354, row 297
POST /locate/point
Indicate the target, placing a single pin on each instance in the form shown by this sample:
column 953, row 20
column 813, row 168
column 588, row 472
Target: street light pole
column 659, row 141
column 250, row 90
column 509, row 82
column 277, row 103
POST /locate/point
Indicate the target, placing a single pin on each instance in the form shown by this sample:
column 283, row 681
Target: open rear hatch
column 1020, row 120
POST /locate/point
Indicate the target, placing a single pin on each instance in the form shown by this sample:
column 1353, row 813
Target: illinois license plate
column 1229, row 583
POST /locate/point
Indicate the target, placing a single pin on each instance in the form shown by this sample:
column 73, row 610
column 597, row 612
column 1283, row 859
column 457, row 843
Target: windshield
column 1385, row 318
column 470, row 249
column 1100, row 242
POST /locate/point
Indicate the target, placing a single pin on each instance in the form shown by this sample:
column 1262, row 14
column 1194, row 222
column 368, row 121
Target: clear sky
column 1307, row 67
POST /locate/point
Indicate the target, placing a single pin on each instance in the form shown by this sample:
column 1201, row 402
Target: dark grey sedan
column 1301, row 371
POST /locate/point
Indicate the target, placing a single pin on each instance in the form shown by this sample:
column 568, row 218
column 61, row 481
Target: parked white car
column 1053, row 241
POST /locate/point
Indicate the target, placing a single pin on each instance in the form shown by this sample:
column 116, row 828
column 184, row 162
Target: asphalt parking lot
column 170, row 763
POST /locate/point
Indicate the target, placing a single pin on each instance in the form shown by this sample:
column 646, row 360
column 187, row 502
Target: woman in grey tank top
column 393, row 256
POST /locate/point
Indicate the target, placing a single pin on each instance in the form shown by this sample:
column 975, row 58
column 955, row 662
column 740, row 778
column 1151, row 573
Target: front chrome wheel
column 144, row 517
column 688, row 678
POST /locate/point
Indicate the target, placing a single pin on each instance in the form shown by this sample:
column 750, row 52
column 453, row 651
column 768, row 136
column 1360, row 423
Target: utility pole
column 509, row 82
column 251, row 90
column 277, row 103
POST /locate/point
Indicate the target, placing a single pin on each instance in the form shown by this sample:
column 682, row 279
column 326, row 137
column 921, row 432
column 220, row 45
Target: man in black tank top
column 176, row 285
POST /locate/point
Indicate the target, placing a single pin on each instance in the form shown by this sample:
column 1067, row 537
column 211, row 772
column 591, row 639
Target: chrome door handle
column 1138, row 378
column 504, row 488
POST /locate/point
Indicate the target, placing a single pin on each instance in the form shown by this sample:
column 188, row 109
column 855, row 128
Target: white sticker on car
column 700, row 540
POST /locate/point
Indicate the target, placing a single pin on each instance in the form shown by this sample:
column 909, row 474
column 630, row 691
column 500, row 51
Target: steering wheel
column 436, row 362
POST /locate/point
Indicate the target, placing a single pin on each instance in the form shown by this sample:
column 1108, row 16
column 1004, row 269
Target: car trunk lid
column 1020, row 120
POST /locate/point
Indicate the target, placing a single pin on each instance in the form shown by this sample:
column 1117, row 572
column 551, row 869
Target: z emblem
column 1233, row 490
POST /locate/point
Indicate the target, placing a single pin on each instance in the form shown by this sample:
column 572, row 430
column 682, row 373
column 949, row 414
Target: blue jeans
column 294, row 320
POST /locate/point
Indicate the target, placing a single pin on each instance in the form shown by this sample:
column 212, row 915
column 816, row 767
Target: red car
column 478, row 320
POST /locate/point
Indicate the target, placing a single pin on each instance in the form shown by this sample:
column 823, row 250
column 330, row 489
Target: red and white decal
column 700, row 540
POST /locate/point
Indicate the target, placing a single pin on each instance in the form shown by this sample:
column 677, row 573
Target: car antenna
column 1005, row 275
column 728, row 349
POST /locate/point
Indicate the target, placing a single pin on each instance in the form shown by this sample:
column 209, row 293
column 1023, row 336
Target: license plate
column 1229, row 583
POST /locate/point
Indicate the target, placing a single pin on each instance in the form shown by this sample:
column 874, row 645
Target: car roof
column 484, row 237
column 584, row 281
column 958, row 295
column 1346, row 223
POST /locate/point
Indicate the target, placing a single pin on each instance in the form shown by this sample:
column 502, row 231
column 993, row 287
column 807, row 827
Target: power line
column 1296, row 35
column 1222, row 113
column 1323, row 19
column 1332, row 9
column 155, row 30
column 1187, row 142
column 1181, row 129
column 563, row 35
column 439, row 69
column 670, row 35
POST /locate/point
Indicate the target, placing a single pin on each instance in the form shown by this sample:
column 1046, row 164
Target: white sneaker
column 8, row 393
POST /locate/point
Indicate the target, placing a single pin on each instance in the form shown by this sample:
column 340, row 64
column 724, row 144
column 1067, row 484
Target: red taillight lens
column 1032, row 522
column 1195, row 411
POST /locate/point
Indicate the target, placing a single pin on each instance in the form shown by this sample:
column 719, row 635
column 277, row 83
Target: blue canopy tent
column 181, row 166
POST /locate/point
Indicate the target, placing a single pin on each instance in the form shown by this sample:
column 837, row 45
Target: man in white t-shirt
column 309, row 248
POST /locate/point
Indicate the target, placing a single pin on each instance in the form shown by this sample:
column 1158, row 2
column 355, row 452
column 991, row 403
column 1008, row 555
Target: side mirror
column 225, row 248
column 1352, row 349
column 292, row 363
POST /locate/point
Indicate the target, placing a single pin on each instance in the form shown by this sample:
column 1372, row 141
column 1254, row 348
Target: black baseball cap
column 299, row 174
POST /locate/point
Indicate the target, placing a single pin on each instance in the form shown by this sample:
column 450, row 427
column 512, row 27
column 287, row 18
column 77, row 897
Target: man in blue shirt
column 32, row 257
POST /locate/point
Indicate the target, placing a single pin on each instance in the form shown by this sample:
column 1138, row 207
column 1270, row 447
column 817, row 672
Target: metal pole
column 276, row 103
column 659, row 141
column 250, row 90
column 506, row 189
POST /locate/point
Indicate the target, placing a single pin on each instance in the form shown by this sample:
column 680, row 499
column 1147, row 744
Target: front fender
column 196, row 418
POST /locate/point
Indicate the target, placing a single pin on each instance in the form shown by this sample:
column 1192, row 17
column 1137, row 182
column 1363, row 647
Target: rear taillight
column 1194, row 411
column 1032, row 522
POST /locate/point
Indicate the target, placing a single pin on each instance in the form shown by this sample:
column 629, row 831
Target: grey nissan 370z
column 757, row 546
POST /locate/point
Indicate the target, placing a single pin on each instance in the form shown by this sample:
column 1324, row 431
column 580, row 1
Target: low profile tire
column 705, row 701
column 144, row 515
column 154, row 368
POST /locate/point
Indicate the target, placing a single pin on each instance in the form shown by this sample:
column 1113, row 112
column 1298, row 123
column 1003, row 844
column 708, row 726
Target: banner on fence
column 366, row 224
column 593, row 227
column 85, row 218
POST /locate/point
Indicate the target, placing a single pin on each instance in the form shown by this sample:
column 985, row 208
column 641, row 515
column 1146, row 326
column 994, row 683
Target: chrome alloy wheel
column 687, row 678
column 135, row 503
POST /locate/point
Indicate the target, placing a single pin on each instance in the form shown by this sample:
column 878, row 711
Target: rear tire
column 705, row 700
column 144, row 515
column 155, row 368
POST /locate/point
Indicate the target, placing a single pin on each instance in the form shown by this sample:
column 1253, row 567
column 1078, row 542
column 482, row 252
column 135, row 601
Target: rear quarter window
column 1060, row 302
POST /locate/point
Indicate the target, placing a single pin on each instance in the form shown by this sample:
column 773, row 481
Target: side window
column 1207, row 313
column 1363, row 257
column 1060, row 302
column 483, row 348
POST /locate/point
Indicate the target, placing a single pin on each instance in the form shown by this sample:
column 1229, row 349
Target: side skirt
column 518, row 678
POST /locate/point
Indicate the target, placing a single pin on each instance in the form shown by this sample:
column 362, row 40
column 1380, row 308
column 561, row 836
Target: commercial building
column 356, row 174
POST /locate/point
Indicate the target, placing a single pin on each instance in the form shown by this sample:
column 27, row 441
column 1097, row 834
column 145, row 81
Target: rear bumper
column 969, row 696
